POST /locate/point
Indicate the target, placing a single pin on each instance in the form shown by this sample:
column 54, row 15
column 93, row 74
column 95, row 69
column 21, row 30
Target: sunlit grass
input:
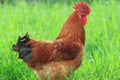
column 102, row 50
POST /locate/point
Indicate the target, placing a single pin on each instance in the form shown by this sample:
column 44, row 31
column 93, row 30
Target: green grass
column 102, row 49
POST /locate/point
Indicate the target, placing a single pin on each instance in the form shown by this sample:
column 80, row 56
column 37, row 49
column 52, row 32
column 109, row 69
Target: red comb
column 82, row 5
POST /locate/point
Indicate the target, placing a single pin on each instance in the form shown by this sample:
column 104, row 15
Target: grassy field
column 102, row 49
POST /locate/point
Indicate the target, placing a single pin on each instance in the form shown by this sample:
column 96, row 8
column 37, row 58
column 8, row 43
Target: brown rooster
column 53, row 60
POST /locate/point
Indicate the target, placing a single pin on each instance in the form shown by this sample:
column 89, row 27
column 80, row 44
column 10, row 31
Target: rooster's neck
column 73, row 29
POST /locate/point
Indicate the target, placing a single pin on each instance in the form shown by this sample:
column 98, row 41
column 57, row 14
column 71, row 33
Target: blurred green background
column 41, row 1
column 43, row 20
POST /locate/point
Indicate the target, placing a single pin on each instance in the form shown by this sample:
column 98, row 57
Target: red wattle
column 84, row 21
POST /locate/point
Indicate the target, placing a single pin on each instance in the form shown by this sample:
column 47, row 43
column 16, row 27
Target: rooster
column 53, row 60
